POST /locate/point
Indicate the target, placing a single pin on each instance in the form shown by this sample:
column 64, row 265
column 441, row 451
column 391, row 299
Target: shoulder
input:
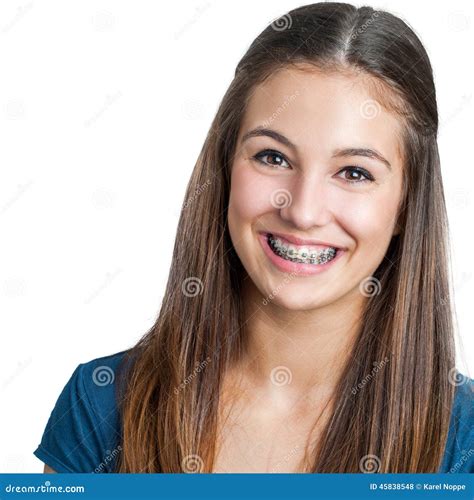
column 97, row 380
column 459, row 453
column 83, row 432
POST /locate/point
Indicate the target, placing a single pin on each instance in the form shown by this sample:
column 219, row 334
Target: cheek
column 370, row 220
column 368, row 217
column 250, row 192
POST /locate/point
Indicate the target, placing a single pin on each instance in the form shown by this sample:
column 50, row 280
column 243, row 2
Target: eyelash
column 368, row 177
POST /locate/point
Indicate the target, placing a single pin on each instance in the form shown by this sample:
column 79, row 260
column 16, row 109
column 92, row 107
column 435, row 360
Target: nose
column 308, row 202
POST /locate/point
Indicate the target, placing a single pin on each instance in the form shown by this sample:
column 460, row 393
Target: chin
column 293, row 302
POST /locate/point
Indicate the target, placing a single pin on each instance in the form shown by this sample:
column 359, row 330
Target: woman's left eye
column 358, row 171
column 276, row 158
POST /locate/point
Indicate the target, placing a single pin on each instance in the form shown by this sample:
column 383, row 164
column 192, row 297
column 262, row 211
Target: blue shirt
column 83, row 433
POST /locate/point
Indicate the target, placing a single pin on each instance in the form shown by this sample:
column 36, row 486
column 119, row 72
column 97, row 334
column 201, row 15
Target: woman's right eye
column 275, row 158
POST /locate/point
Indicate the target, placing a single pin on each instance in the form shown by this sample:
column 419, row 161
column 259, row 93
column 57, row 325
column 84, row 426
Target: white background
column 104, row 107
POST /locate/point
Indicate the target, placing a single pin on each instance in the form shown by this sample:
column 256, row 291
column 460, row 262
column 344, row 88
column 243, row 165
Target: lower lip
column 295, row 267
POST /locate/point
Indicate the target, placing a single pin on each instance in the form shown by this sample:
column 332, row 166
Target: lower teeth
column 321, row 259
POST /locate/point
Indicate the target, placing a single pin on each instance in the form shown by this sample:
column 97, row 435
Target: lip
column 300, row 241
column 287, row 266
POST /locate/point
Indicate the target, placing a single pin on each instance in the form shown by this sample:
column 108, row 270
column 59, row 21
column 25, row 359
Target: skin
column 309, row 325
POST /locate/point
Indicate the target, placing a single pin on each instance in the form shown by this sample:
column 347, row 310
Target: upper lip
column 302, row 241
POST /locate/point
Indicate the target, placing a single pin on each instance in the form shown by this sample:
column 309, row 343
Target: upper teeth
column 303, row 253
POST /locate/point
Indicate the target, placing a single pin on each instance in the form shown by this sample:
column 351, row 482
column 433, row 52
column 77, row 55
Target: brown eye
column 273, row 158
column 356, row 175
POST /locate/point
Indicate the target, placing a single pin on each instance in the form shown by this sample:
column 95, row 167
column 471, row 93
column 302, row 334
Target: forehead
column 322, row 111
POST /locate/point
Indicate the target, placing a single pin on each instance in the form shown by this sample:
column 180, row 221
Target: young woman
column 307, row 323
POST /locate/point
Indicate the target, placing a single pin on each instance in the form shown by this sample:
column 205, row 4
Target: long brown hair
column 169, row 401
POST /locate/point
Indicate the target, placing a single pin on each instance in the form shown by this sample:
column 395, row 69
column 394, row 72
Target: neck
column 308, row 348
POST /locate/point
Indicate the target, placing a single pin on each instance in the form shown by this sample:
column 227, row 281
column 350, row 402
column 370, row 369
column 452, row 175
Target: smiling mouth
column 301, row 254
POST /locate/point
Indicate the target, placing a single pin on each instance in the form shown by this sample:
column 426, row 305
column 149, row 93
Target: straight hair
column 173, row 377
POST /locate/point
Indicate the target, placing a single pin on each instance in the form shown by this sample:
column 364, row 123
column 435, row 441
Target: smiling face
column 317, row 157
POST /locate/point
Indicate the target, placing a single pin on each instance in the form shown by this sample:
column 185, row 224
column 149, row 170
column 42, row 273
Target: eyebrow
column 365, row 152
column 339, row 153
